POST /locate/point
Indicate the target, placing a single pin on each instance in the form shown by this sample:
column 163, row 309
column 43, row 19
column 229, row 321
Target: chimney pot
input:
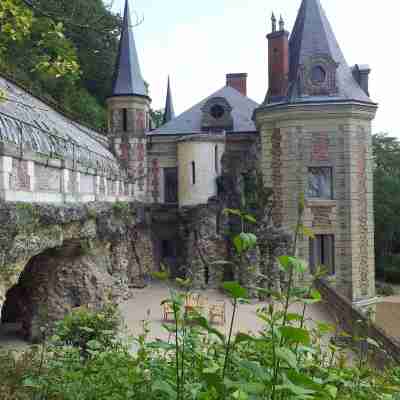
column 238, row 82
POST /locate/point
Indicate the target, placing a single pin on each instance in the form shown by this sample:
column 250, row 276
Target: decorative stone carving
column 19, row 177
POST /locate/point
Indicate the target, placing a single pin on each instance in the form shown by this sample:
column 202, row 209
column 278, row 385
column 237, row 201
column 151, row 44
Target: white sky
column 198, row 41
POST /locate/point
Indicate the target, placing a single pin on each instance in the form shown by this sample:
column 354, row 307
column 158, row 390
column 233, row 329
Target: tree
column 157, row 117
column 51, row 53
column 386, row 153
column 63, row 51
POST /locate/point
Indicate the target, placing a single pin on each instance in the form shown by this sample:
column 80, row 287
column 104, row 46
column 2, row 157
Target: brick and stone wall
column 326, row 136
column 128, row 138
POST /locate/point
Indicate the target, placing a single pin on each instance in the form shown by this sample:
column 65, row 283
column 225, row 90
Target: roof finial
column 281, row 24
column 273, row 19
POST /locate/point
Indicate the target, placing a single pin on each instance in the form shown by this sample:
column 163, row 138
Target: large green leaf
column 200, row 321
column 235, row 290
column 295, row 335
column 165, row 388
column 287, row 356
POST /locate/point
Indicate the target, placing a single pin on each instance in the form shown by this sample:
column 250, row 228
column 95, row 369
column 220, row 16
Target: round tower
column 128, row 110
column 315, row 128
column 199, row 160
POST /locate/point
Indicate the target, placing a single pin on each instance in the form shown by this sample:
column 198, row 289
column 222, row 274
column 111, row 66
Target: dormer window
column 217, row 111
column 318, row 75
column 217, row 115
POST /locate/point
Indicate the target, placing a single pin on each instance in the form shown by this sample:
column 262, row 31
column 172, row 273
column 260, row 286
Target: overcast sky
column 198, row 41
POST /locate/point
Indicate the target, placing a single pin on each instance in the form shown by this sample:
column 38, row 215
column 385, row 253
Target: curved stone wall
column 199, row 160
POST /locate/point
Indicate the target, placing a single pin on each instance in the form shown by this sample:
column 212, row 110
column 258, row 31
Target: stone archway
column 56, row 281
column 67, row 256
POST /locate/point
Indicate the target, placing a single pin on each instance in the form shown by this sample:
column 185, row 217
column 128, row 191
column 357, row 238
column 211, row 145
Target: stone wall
column 351, row 319
column 200, row 246
column 54, row 258
column 32, row 178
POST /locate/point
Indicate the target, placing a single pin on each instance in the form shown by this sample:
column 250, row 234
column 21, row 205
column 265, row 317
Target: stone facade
column 341, row 143
column 128, row 123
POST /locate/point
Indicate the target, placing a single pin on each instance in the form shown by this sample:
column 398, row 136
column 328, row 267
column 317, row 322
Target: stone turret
column 128, row 109
column 316, row 141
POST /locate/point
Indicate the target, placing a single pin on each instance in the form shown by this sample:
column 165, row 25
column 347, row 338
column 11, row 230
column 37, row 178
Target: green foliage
column 157, row 117
column 63, row 51
column 89, row 329
column 286, row 360
column 386, row 151
column 121, row 209
column 389, row 268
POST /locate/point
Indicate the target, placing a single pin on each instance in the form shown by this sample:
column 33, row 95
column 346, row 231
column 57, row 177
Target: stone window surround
column 333, row 191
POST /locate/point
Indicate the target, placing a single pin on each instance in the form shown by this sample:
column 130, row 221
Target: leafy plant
column 89, row 329
column 288, row 359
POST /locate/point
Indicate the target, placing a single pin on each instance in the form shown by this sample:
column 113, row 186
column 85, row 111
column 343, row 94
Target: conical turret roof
column 128, row 80
column 169, row 112
column 313, row 36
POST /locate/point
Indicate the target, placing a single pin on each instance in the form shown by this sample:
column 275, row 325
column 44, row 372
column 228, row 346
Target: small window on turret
column 124, row 119
column 216, row 163
column 193, row 173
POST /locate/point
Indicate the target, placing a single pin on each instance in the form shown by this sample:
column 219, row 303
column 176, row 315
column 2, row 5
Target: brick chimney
column 238, row 82
column 278, row 57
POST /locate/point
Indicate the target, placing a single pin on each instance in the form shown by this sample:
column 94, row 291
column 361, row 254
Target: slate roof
column 313, row 35
column 128, row 80
column 169, row 112
column 190, row 121
column 26, row 120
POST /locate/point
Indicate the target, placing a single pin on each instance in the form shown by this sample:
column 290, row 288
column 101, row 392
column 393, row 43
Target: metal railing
column 28, row 137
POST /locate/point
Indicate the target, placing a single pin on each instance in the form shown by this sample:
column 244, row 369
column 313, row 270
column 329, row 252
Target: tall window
column 322, row 253
column 193, row 173
column 216, row 161
column 171, row 185
column 124, row 119
column 320, row 184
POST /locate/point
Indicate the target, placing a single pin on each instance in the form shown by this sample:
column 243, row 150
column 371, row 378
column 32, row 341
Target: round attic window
column 217, row 111
column 318, row 75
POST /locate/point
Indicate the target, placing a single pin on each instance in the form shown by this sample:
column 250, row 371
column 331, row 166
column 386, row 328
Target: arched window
column 193, row 173
column 216, row 161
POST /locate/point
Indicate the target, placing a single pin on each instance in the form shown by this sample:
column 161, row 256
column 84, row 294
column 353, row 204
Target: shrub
column 390, row 268
column 85, row 328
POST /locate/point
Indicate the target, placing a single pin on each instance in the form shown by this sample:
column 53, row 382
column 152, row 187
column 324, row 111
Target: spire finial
column 281, row 24
column 273, row 20
column 169, row 107
column 128, row 80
